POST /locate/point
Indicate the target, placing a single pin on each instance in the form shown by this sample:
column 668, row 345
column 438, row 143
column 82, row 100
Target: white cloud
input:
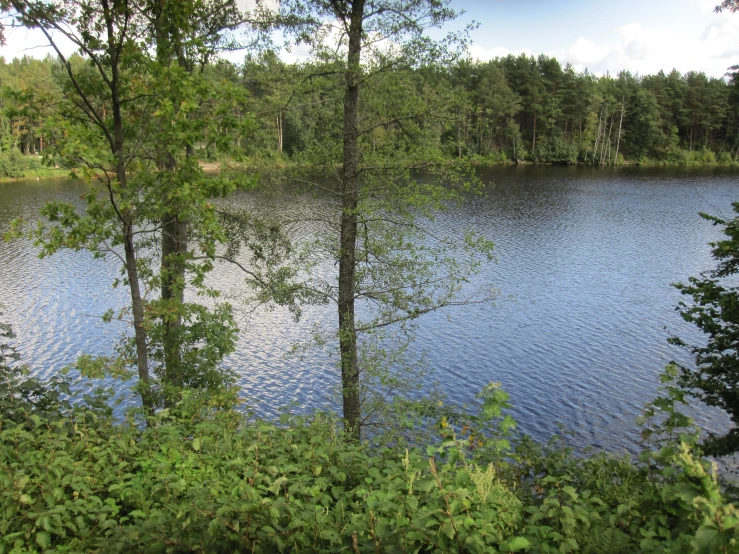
column 585, row 51
column 644, row 50
column 485, row 54
column 32, row 42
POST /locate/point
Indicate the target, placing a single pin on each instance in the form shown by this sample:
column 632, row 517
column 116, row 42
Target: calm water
column 585, row 262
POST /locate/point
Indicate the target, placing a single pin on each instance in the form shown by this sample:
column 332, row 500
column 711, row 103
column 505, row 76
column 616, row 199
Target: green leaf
column 43, row 539
column 196, row 445
column 516, row 544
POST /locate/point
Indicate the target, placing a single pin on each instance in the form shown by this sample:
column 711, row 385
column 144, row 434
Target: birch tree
column 391, row 269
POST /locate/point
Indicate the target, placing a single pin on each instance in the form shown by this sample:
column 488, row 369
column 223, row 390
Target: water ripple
column 585, row 263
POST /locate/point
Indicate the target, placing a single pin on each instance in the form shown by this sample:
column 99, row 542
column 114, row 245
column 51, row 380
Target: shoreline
column 51, row 174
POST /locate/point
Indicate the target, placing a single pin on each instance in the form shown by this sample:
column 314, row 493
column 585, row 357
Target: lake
column 585, row 260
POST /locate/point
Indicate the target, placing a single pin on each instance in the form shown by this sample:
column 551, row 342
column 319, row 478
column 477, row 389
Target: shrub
column 725, row 158
column 554, row 150
column 207, row 478
column 14, row 164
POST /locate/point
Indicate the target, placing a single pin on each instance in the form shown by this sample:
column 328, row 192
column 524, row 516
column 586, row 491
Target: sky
column 641, row 36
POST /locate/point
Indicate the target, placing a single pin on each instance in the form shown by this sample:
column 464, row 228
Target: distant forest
column 517, row 108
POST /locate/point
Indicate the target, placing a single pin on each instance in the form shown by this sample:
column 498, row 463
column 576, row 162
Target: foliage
column 18, row 391
column 207, row 477
column 555, row 150
column 373, row 146
column 506, row 106
column 131, row 123
column 15, row 165
column 714, row 309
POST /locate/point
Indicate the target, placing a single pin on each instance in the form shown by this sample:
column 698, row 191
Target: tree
column 106, row 33
column 131, row 121
column 186, row 35
column 714, row 309
column 390, row 271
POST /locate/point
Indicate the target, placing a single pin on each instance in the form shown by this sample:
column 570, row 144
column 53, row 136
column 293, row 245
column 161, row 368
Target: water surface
column 585, row 263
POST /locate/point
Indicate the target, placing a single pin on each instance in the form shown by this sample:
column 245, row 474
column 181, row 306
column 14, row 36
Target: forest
column 388, row 124
column 515, row 109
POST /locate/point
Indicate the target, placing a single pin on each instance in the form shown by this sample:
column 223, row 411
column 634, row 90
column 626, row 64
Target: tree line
column 516, row 108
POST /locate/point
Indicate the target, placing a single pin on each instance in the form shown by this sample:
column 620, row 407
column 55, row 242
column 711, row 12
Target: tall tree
column 107, row 34
column 380, row 270
column 186, row 35
column 131, row 121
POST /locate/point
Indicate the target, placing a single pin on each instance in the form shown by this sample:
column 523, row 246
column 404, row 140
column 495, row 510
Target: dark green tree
column 714, row 308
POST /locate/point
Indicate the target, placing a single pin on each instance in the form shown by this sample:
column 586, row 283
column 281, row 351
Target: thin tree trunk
column 607, row 143
column 618, row 139
column 533, row 141
column 597, row 137
column 279, row 132
column 137, row 303
column 348, row 239
column 174, row 251
column 459, row 134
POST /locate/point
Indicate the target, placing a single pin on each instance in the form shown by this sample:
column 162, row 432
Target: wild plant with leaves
column 713, row 307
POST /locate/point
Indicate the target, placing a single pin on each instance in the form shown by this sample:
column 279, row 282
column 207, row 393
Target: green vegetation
column 205, row 477
column 508, row 110
column 191, row 470
column 714, row 309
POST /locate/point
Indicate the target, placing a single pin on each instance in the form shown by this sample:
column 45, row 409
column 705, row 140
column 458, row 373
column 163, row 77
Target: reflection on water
column 585, row 262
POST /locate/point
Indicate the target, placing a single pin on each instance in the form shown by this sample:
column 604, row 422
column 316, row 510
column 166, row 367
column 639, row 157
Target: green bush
column 207, row 478
column 554, row 150
column 14, row 164
column 724, row 158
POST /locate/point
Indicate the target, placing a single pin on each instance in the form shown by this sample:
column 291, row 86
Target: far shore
column 49, row 174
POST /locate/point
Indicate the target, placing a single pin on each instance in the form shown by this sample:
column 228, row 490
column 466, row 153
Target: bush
column 554, row 150
column 724, row 158
column 207, row 478
column 14, row 164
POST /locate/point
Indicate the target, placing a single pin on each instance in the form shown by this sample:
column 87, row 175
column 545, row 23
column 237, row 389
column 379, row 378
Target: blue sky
column 642, row 36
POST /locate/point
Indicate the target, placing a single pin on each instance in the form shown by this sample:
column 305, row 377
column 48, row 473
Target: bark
column 533, row 142
column 597, row 137
column 618, row 139
column 137, row 303
column 348, row 239
column 174, row 242
column 279, row 132
column 607, row 145
column 174, row 249
column 459, row 134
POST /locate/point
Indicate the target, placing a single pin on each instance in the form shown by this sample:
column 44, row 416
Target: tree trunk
column 137, row 303
column 597, row 136
column 459, row 134
column 137, row 306
column 533, row 142
column 607, row 145
column 618, row 139
column 279, row 132
column 174, row 250
column 348, row 239
column 174, row 230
